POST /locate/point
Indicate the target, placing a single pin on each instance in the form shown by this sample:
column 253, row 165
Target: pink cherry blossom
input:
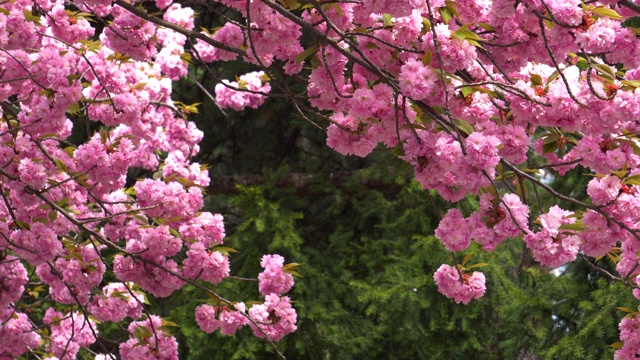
column 273, row 280
column 459, row 286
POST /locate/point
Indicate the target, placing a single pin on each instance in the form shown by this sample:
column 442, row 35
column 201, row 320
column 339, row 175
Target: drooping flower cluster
column 13, row 277
column 630, row 335
column 552, row 246
column 17, row 333
column 211, row 318
column 116, row 302
column 147, row 340
column 275, row 318
column 273, row 280
column 488, row 227
column 69, row 332
column 248, row 91
column 459, row 286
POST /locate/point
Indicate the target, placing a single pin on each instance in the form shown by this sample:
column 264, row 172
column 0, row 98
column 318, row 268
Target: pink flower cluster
column 454, row 231
column 13, row 277
column 630, row 335
column 151, row 275
column 69, row 332
column 72, row 277
column 599, row 235
column 17, row 333
column 230, row 34
column 489, row 226
column 211, row 318
column 170, row 200
column 116, row 302
column 147, row 341
column 273, row 280
column 201, row 263
column 248, row 91
column 275, row 318
column 459, row 286
column 553, row 246
column 495, row 220
column 129, row 34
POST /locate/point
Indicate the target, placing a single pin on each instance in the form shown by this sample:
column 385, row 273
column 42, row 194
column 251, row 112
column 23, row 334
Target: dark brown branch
column 630, row 5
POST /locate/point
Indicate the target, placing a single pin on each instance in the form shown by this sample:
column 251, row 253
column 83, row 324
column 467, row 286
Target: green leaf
column 74, row 108
column 305, row 54
column 578, row 226
column 451, row 5
column 474, row 266
column 536, row 79
column 174, row 232
column 505, row 175
column 289, row 3
column 606, row 12
column 426, row 59
column 605, row 71
column 466, row 91
column 632, row 22
column 464, row 126
column 552, row 77
column 485, row 90
column 426, row 25
column 486, row 26
column 387, row 20
column 519, row 189
column 466, row 259
column 632, row 83
column 617, row 345
column 23, row 225
column 224, row 250
column 104, row 136
column 337, row 7
column 398, row 150
column 289, row 268
column 83, row 181
column 446, row 14
column 168, row 323
column 582, row 64
column 464, row 34
column 626, row 309
column 372, row 45
column 293, row 272
column 142, row 332
column 550, row 147
column 61, row 165
column 28, row 15
column 632, row 178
